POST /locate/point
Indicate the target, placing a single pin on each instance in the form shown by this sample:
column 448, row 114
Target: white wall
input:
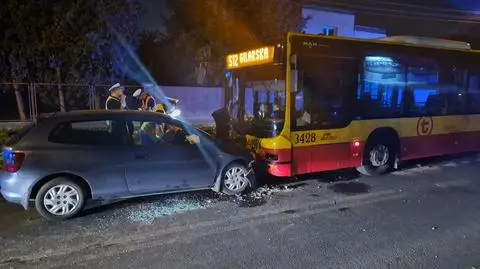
column 319, row 18
column 196, row 103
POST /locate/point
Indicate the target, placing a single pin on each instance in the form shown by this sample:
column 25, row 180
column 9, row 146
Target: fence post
column 29, row 100
column 91, row 98
column 31, row 104
column 33, row 101
column 95, row 97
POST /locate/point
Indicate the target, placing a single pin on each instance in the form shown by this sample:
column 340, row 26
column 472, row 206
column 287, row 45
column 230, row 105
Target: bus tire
column 379, row 157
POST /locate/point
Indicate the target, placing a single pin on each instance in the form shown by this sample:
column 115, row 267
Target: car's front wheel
column 236, row 179
column 60, row 199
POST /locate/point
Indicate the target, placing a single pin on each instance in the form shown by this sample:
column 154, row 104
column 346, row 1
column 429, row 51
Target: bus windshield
column 258, row 100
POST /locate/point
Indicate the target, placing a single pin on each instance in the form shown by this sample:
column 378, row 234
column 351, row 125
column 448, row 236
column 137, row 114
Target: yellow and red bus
column 320, row 103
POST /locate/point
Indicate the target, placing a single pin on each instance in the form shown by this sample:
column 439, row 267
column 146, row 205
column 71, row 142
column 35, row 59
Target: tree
column 92, row 43
column 68, row 42
column 205, row 30
column 153, row 52
column 20, row 31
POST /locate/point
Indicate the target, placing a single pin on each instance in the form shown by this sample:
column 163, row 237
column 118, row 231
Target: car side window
column 158, row 133
column 92, row 133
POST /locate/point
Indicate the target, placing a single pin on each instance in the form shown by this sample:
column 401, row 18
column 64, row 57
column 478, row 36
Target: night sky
column 370, row 14
column 419, row 26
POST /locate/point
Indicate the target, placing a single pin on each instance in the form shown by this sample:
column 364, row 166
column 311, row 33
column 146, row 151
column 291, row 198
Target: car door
column 89, row 148
column 159, row 164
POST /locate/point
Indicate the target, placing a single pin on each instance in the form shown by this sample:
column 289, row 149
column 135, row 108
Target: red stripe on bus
column 326, row 157
column 437, row 145
column 330, row 157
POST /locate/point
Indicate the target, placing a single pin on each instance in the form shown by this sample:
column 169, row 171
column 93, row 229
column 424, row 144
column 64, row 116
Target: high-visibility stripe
column 110, row 98
column 145, row 102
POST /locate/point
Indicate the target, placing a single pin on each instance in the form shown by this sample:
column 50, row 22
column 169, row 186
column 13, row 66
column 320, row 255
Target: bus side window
column 435, row 105
column 472, row 105
column 408, row 104
column 380, row 85
column 423, row 80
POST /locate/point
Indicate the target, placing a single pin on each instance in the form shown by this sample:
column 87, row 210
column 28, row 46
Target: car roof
column 96, row 114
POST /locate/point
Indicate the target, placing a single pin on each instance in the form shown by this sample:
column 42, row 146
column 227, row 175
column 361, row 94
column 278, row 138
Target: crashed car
column 66, row 159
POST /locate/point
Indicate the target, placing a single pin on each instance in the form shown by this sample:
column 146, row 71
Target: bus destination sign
column 250, row 58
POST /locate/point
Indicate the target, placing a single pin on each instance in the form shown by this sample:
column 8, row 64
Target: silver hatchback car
column 65, row 159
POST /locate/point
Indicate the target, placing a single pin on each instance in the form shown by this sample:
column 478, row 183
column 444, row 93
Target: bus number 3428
column 305, row 138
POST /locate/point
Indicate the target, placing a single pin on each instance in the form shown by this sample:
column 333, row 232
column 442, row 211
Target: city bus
column 319, row 103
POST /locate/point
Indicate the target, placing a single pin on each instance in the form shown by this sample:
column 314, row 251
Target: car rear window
column 93, row 133
column 17, row 136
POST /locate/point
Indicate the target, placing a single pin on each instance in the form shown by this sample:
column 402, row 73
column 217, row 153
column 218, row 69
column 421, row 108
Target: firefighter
column 170, row 133
column 116, row 100
column 150, row 132
column 148, row 102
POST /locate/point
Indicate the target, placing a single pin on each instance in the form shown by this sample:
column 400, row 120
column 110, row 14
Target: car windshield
column 258, row 100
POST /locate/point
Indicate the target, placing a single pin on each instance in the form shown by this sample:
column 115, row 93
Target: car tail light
column 12, row 160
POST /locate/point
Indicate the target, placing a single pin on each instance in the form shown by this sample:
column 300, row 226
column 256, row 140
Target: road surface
column 423, row 216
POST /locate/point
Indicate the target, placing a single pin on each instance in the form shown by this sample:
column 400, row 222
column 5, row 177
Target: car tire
column 60, row 199
column 236, row 179
column 379, row 158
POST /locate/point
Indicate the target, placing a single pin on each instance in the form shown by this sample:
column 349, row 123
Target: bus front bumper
column 277, row 169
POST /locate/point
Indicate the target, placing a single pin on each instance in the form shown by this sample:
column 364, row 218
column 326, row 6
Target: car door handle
column 141, row 156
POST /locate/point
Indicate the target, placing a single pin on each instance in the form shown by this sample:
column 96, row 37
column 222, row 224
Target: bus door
column 322, row 111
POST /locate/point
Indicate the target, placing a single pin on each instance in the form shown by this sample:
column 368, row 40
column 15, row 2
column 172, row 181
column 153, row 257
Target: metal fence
column 25, row 101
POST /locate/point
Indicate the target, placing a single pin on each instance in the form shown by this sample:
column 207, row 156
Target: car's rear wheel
column 60, row 199
column 236, row 179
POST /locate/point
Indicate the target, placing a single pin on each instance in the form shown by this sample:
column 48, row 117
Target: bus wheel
column 378, row 158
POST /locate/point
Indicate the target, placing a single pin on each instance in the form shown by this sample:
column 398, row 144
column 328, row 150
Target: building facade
column 337, row 23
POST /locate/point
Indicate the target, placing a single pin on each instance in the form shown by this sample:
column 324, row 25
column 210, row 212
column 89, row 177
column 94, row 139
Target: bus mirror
column 294, row 73
column 293, row 61
column 294, row 80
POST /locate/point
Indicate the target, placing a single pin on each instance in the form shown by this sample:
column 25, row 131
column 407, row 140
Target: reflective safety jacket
column 159, row 108
column 148, row 103
column 113, row 103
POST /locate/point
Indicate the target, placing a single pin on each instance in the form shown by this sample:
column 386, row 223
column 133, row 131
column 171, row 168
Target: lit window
column 330, row 30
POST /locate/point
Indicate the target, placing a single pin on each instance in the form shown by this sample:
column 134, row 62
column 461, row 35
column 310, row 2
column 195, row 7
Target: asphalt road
column 423, row 216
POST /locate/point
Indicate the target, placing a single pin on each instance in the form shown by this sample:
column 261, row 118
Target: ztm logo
column 425, row 126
